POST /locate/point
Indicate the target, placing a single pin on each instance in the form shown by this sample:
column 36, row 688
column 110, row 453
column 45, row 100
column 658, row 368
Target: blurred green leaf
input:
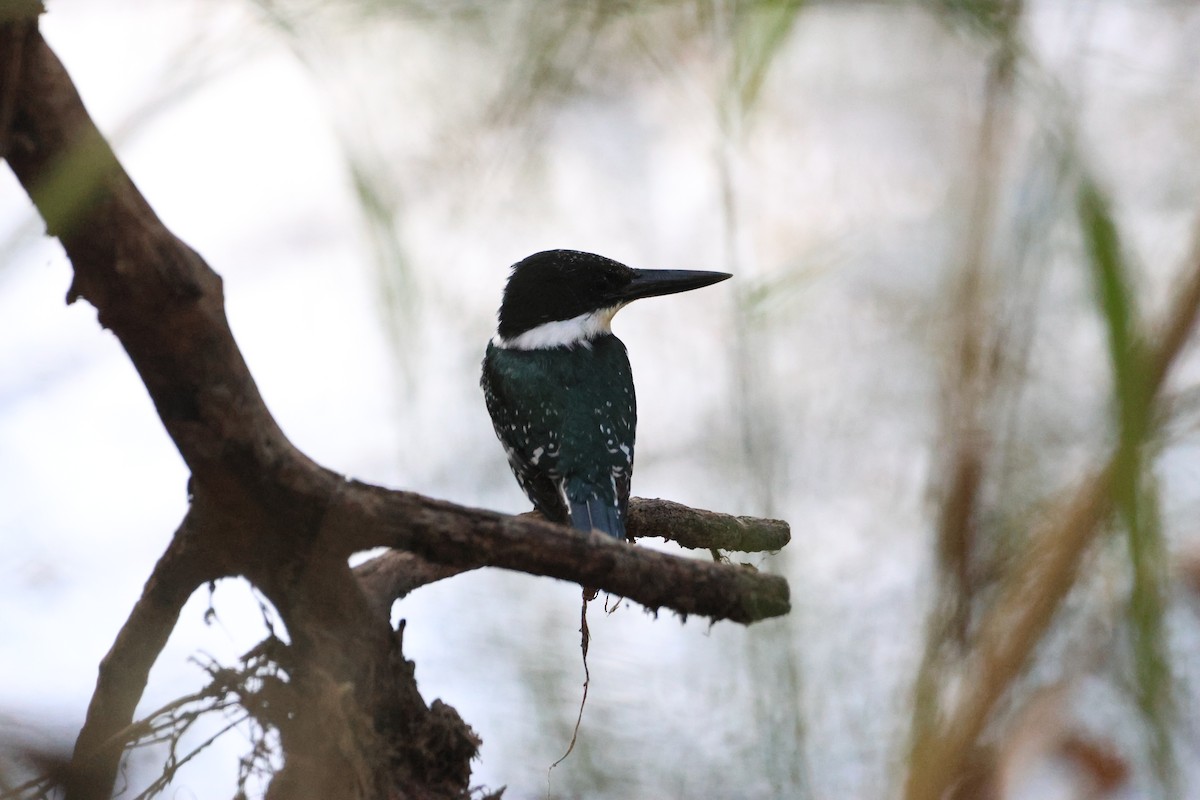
column 1134, row 487
column 1115, row 299
column 761, row 31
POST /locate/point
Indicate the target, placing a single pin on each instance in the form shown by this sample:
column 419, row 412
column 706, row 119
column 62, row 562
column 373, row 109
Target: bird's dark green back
column 567, row 417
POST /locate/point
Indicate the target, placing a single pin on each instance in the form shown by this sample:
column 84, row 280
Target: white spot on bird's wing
column 578, row 330
column 536, row 456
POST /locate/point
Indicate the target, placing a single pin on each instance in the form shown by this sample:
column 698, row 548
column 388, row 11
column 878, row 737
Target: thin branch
column 126, row 667
column 697, row 529
column 174, row 762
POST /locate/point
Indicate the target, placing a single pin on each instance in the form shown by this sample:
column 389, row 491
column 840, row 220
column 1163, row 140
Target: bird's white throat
column 571, row 332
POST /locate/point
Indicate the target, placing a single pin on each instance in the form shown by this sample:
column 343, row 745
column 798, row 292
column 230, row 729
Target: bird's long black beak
column 654, row 282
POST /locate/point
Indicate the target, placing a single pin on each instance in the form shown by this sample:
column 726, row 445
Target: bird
column 558, row 385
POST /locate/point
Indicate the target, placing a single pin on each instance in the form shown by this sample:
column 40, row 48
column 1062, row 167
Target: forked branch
column 265, row 511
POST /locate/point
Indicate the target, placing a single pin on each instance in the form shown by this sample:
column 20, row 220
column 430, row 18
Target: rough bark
column 263, row 510
column 391, row 576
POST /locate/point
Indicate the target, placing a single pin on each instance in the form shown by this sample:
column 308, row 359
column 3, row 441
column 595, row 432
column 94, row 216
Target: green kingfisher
column 558, row 384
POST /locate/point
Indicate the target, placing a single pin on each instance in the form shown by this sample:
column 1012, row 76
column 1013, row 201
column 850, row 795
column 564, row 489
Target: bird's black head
column 557, row 285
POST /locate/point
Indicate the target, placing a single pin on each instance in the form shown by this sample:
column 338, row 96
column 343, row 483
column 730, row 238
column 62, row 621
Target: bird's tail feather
column 596, row 514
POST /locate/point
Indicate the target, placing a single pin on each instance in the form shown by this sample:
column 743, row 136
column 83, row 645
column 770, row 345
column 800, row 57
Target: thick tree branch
column 393, row 575
column 443, row 533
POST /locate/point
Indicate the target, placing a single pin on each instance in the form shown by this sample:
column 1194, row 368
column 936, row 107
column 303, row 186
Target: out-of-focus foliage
column 1135, row 491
